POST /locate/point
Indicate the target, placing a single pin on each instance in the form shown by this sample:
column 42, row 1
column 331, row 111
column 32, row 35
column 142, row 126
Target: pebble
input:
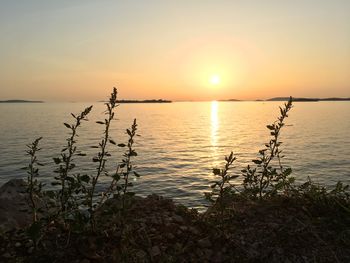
column 18, row 244
column 30, row 250
column 178, row 219
column 155, row 251
column 194, row 230
column 204, row 242
column 170, row 236
column 30, row 243
column 184, row 228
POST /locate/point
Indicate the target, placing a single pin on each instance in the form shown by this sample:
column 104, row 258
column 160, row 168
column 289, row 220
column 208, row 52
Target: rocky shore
column 155, row 229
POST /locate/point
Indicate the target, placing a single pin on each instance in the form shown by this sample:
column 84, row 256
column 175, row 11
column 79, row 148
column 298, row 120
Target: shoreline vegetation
column 264, row 217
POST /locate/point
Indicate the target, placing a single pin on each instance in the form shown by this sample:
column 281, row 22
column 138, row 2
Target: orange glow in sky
column 78, row 50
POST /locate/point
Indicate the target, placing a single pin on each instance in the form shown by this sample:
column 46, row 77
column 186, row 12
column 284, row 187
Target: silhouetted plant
column 126, row 162
column 264, row 178
column 34, row 187
column 123, row 171
column 319, row 195
column 70, row 184
column 222, row 189
column 100, row 159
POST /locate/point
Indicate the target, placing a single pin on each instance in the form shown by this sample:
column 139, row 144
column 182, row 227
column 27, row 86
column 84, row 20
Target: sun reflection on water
column 214, row 128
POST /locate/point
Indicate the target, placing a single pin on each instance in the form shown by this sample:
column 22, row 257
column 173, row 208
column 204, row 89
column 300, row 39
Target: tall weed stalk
column 65, row 161
column 34, row 187
column 264, row 178
column 100, row 159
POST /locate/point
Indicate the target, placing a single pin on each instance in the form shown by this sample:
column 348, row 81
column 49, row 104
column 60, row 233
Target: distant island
column 308, row 99
column 21, row 101
column 143, row 101
column 231, row 100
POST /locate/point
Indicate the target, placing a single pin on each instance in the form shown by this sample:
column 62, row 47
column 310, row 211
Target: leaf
column 133, row 153
column 34, row 231
column 216, row 171
column 81, row 154
column 121, row 145
column 56, row 160
column 67, row 125
column 84, row 178
column 100, row 122
column 112, row 142
column 213, row 185
column 95, row 159
column 50, row 194
column 257, row 161
column 136, row 174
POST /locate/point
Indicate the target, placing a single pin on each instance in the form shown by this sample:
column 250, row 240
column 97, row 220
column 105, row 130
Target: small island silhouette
column 21, row 101
column 143, row 101
column 308, row 99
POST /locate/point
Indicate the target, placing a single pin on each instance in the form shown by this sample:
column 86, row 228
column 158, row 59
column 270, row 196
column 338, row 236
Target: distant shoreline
column 143, row 101
column 21, row 101
column 294, row 99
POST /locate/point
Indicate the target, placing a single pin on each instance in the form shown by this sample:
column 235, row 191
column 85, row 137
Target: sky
column 179, row 50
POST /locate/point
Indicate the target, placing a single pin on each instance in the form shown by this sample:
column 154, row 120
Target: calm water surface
column 181, row 142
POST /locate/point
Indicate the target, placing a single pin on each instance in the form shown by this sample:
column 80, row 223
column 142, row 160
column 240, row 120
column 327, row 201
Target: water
column 181, row 142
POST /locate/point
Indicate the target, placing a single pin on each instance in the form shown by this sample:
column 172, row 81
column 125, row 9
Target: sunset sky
column 179, row 50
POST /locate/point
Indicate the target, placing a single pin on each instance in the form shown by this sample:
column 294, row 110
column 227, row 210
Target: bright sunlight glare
column 215, row 79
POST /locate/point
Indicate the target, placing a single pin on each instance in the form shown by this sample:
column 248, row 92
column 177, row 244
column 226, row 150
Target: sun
column 214, row 79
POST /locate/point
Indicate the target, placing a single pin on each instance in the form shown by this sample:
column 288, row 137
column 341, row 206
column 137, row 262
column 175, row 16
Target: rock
column 184, row 228
column 30, row 250
column 155, row 251
column 18, row 244
column 14, row 208
column 7, row 255
column 170, row 236
column 208, row 253
column 204, row 242
column 194, row 230
column 178, row 219
column 30, row 243
column 140, row 254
